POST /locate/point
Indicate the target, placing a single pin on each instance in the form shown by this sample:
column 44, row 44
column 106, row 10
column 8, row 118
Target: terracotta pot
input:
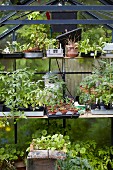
column 52, row 112
column 71, row 51
column 73, row 110
column 63, row 111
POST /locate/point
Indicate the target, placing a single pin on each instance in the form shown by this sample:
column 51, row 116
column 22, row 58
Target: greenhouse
column 56, row 85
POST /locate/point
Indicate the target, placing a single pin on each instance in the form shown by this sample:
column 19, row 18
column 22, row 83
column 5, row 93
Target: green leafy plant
column 85, row 46
column 21, row 90
column 74, row 163
column 37, row 35
column 2, row 87
column 2, row 83
column 10, row 153
column 98, row 158
column 99, row 83
column 86, row 155
column 52, row 93
column 51, row 142
column 13, row 47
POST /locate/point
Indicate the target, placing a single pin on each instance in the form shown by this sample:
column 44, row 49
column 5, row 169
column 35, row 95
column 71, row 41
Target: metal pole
column 112, row 118
column 63, row 77
column 15, row 122
column 64, row 123
column 112, row 35
column 63, row 2
column 49, row 64
column 15, row 130
column 112, row 131
column 14, row 68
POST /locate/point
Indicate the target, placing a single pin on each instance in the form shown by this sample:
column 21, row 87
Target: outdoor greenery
column 9, row 155
column 82, row 155
column 17, row 89
column 85, row 130
column 38, row 36
column 87, row 143
column 98, row 84
column 93, row 40
column 20, row 90
column 86, row 47
column 51, row 142
column 87, row 156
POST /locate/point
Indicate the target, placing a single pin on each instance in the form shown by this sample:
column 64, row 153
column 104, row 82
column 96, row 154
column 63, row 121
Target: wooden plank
column 29, row 114
column 89, row 115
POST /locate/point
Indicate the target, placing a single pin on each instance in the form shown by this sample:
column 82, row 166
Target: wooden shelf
column 89, row 115
column 108, row 56
column 36, row 114
column 98, row 114
column 10, row 56
column 30, row 114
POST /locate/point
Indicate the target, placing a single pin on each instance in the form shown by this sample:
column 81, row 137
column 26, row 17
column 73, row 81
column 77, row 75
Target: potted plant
column 21, row 92
column 41, row 48
column 53, row 99
column 88, row 49
column 47, row 149
column 71, row 49
column 98, row 86
column 13, row 50
column 36, row 38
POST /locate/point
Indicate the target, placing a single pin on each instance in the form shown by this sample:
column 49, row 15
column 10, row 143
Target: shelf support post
column 112, row 131
column 15, row 130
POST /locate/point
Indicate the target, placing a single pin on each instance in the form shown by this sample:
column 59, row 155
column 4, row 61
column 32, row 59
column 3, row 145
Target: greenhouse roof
column 19, row 9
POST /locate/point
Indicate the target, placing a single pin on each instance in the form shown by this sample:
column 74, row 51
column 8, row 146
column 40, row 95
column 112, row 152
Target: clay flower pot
column 64, row 111
column 71, row 50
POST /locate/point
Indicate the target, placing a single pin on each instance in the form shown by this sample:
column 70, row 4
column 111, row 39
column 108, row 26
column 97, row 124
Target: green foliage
column 1, row 67
column 2, row 84
column 53, row 142
column 85, row 151
column 93, row 39
column 4, row 122
column 13, row 47
column 87, row 46
column 94, row 34
column 20, row 89
column 2, row 87
column 86, row 155
column 37, row 35
column 74, row 164
column 10, row 152
column 53, row 92
column 101, row 81
column 99, row 158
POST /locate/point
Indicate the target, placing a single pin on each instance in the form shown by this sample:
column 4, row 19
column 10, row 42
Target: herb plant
column 53, row 142
column 99, row 83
